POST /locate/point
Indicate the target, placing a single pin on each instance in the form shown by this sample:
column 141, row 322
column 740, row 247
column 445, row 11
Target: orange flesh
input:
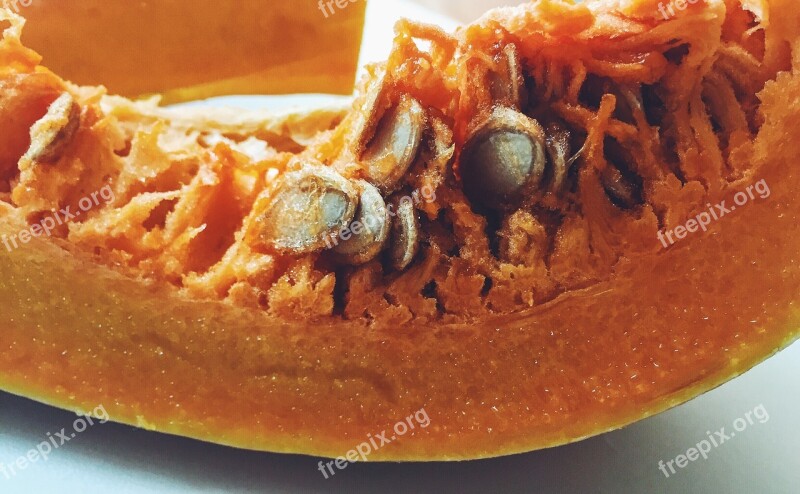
column 195, row 49
column 641, row 332
column 668, row 330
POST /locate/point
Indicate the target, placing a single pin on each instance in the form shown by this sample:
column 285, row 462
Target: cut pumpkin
column 516, row 182
column 194, row 49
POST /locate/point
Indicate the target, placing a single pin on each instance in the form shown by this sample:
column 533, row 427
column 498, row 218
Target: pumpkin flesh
column 663, row 325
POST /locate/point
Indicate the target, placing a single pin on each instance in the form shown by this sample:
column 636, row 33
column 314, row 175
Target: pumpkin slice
column 304, row 282
column 187, row 50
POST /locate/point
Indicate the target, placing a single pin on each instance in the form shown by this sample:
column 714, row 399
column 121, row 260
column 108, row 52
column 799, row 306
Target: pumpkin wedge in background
column 531, row 303
column 195, row 49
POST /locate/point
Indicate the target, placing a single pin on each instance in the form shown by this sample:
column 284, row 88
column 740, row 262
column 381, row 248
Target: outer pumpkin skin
column 664, row 329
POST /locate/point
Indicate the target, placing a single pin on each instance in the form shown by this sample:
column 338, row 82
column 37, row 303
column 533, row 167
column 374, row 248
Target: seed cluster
column 315, row 204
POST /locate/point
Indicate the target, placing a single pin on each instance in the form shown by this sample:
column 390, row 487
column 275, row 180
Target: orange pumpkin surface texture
column 551, row 223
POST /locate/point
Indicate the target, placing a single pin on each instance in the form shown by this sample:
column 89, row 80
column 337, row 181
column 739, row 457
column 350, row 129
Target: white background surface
column 763, row 459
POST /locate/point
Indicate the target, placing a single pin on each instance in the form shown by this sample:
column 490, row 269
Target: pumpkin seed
column 51, row 134
column 365, row 237
column 405, row 233
column 396, row 143
column 307, row 209
column 503, row 158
